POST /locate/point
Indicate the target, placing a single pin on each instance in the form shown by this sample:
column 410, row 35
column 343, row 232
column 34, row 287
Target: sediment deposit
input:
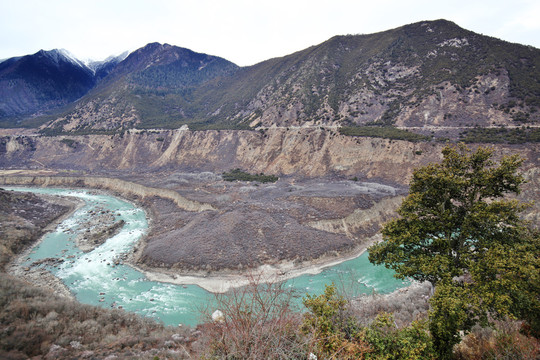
column 334, row 190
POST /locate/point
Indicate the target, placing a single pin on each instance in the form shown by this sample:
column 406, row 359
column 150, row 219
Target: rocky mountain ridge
column 46, row 81
column 427, row 74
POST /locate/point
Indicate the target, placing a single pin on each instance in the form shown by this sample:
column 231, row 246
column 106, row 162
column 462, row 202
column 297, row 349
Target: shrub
column 240, row 175
column 390, row 342
column 256, row 322
column 503, row 341
column 334, row 331
column 501, row 136
column 337, row 334
column 385, row 132
column 69, row 142
column 34, row 319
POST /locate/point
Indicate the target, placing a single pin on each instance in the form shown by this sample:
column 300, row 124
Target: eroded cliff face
column 300, row 152
column 295, row 151
column 360, row 220
column 126, row 188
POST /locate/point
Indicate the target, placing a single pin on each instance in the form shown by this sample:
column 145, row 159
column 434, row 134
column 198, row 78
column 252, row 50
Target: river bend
column 100, row 277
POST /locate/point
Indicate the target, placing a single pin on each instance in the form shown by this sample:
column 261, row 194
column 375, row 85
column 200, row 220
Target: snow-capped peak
column 58, row 55
column 94, row 65
column 71, row 58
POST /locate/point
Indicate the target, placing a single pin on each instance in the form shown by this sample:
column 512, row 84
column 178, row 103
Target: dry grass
column 407, row 305
column 35, row 322
column 503, row 341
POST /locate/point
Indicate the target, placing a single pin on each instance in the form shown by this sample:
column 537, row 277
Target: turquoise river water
column 94, row 278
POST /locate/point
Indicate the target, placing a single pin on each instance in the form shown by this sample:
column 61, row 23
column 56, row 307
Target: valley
column 105, row 275
column 283, row 169
column 333, row 191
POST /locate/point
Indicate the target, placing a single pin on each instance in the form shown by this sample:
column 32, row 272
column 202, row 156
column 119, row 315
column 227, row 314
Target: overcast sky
column 242, row 31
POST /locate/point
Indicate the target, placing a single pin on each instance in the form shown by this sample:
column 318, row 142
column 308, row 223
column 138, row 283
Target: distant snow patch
column 95, row 65
column 72, row 58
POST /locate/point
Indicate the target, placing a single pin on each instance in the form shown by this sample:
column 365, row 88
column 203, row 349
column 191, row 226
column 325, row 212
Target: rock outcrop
column 312, row 152
column 24, row 217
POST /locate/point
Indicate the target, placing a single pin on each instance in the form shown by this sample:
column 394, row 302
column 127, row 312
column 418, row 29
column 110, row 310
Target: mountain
column 162, row 66
column 34, row 84
column 428, row 73
column 424, row 73
column 150, row 85
column 103, row 68
column 40, row 82
column 431, row 74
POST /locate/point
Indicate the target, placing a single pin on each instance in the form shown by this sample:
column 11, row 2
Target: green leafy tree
column 457, row 231
column 392, row 343
column 335, row 332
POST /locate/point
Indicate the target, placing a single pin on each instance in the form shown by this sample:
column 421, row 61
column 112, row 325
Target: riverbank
column 222, row 281
column 239, row 226
column 216, row 281
column 38, row 276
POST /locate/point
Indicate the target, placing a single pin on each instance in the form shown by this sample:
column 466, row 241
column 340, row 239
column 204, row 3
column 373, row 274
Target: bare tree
column 256, row 321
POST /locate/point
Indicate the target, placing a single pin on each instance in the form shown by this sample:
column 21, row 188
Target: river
column 100, row 277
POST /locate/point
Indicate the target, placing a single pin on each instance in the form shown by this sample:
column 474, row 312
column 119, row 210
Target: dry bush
column 35, row 322
column 503, row 341
column 333, row 331
column 258, row 322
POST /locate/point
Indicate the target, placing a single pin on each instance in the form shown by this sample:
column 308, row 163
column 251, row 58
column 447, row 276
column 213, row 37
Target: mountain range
column 431, row 74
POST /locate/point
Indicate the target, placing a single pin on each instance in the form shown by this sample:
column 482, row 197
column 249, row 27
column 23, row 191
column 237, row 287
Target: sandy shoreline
column 219, row 282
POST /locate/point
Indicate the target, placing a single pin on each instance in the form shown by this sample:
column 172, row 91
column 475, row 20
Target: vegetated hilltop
column 431, row 73
column 428, row 73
